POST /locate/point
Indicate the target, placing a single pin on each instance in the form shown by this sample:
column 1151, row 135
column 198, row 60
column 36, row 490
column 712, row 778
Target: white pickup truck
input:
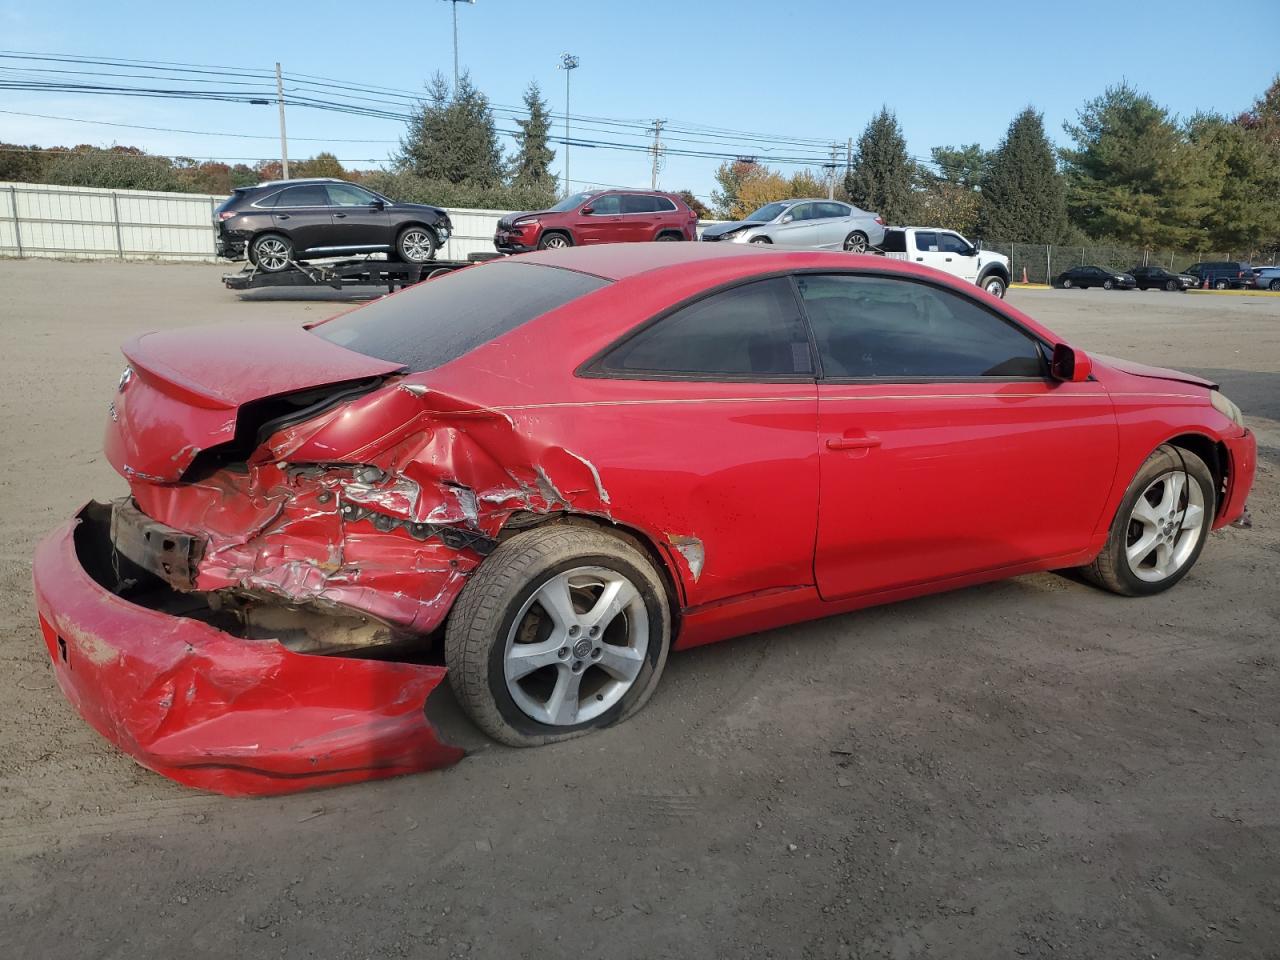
column 951, row 253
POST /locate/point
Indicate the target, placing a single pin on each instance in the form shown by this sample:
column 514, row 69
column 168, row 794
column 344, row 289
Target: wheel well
column 520, row 522
column 563, row 231
column 1214, row 455
column 998, row 270
column 671, row 233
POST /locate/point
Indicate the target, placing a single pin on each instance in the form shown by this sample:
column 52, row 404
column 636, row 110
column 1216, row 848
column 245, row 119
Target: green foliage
column 1134, row 175
column 1023, row 197
column 452, row 137
column 411, row 188
column 883, row 175
column 964, row 166
column 121, row 168
column 1245, row 209
column 321, row 165
column 531, row 166
column 702, row 211
column 24, row 164
column 726, row 196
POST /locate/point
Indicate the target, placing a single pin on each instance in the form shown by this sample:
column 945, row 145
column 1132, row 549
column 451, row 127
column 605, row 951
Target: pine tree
column 453, row 138
column 531, row 166
column 1134, row 176
column 1023, row 197
column 882, row 176
column 1245, row 210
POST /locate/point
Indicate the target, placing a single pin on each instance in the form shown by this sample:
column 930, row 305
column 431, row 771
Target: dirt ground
column 1032, row 768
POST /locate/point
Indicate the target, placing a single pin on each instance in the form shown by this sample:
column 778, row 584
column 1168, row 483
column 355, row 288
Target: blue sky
column 809, row 69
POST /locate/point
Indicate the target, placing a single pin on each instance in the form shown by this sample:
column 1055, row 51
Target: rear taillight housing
column 880, row 220
column 226, row 214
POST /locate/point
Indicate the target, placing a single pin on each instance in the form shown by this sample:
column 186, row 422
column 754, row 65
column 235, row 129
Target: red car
column 537, row 476
column 599, row 216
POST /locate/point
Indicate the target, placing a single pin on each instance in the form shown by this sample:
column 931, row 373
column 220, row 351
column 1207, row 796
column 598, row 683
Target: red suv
column 600, row 216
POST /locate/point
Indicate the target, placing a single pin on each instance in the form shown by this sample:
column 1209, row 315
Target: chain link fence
column 1042, row 262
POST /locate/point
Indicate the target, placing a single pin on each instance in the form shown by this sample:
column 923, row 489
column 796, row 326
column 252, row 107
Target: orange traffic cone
column 1024, row 275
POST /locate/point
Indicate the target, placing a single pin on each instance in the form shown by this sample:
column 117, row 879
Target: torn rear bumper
column 222, row 713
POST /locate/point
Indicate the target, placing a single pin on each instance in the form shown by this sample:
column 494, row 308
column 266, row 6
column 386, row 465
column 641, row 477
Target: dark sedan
column 1084, row 277
column 283, row 221
column 1158, row 278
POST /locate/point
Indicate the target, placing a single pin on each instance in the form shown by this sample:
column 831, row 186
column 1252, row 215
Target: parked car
column 805, row 224
column 1085, row 277
column 1266, row 278
column 283, row 221
column 598, row 216
column 951, row 253
column 419, row 475
column 1222, row 274
column 1158, row 278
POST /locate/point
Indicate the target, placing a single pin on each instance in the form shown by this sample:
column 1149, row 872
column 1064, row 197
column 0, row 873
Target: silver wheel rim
column 416, row 246
column 994, row 287
column 855, row 243
column 1066, row 284
column 1107, row 285
column 555, row 242
column 1164, row 526
column 272, row 254
column 576, row 646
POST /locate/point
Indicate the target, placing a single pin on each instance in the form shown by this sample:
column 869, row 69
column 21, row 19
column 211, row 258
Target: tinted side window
column 926, row 240
column 873, row 327
column 608, row 205
column 803, row 211
column 827, row 210
column 749, row 332
column 950, row 243
column 345, row 195
column 310, row 195
column 269, row 200
column 438, row 321
column 632, row 203
column 895, row 241
column 663, row 205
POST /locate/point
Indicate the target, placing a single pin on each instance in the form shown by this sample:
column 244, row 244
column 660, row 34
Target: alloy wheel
column 555, row 242
column 272, row 254
column 1165, row 525
column 576, row 646
column 855, row 243
column 416, row 246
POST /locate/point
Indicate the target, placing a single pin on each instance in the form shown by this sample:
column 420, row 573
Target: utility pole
column 656, row 150
column 832, row 167
column 848, row 159
column 568, row 63
column 455, row 41
column 284, row 140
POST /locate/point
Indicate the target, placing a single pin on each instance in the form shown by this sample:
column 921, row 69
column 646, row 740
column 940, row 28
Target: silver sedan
column 804, row 224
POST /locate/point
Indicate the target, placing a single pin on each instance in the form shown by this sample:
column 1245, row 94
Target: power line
column 201, row 133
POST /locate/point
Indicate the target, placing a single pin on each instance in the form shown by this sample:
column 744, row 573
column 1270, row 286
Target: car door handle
column 340, row 216
column 852, row 443
column 919, row 259
column 948, row 259
column 282, row 216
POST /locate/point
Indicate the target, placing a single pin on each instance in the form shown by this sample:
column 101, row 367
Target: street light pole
column 568, row 63
column 284, row 141
column 455, row 41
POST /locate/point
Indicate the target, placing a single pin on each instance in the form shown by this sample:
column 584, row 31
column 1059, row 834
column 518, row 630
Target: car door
column 302, row 213
column 945, row 448
column 926, row 249
column 719, row 432
column 958, row 256
column 639, row 218
column 801, row 230
column 833, row 224
column 360, row 218
column 604, row 223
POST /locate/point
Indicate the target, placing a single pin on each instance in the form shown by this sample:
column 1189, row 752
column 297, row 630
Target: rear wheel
column 416, row 245
column 554, row 241
column 561, row 631
column 856, row 242
column 1067, row 283
column 1220, row 284
column 1274, row 285
column 1161, row 526
column 271, row 252
column 669, row 237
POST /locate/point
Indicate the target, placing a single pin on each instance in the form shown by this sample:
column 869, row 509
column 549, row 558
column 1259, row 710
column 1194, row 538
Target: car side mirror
column 1070, row 365
column 378, row 205
column 787, row 218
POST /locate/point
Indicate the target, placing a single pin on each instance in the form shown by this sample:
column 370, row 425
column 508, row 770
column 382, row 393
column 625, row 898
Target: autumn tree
column 323, row 164
column 700, row 209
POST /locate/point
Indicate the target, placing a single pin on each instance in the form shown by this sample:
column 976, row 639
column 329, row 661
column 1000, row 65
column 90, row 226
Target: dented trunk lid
column 185, row 391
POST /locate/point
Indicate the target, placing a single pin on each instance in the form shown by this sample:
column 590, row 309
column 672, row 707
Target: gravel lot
column 1032, row 768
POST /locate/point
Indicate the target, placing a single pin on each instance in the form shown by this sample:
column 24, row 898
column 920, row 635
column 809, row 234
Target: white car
column 949, row 252
column 804, row 224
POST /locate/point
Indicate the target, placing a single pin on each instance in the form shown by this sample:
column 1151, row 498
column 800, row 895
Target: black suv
column 1222, row 274
column 287, row 220
column 1158, row 278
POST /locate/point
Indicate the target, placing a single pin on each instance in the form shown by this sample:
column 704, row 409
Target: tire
column 760, row 240
column 668, row 238
column 1171, row 285
column 416, row 244
column 994, row 286
column 1107, row 284
column 1220, row 284
column 856, row 242
column 271, row 252
column 554, row 241
column 1172, row 537
column 1066, row 283
column 1274, row 285
column 502, row 609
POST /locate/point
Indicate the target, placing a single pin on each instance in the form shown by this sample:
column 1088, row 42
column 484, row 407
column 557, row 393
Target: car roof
column 289, row 183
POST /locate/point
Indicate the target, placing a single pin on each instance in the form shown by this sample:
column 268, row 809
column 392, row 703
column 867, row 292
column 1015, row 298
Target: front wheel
column 416, row 245
column 562, row 630
column 1107, row 284
column 271, row 253
column 1171, row 285
column 1274, row 285
column 554, row 241
column 761, row 240
column 994, row 286
column 1161, row 526
column 856, row 242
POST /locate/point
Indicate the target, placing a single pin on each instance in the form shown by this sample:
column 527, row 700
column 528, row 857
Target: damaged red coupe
column 536, row 477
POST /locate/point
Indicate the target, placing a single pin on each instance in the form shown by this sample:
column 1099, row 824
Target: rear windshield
column 439, row 320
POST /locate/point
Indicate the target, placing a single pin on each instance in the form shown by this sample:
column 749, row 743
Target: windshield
column 569, row 203
column 770, row 211
column 440, row 320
